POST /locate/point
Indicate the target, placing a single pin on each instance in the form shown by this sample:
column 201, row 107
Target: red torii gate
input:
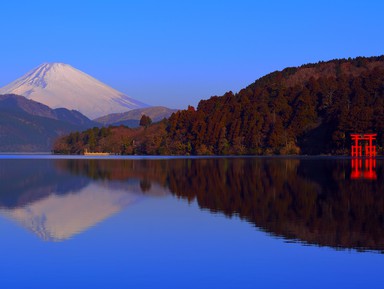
column 357, row 148
column 366, row 169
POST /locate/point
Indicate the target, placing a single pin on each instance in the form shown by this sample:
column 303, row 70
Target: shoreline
column 48, row 155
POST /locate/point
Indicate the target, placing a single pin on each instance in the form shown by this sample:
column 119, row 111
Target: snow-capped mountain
column 61, row 85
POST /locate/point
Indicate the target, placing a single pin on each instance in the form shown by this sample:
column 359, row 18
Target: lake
column 151, row 222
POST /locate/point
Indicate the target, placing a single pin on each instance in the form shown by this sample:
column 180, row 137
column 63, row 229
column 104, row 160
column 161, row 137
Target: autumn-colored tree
column 145, row 120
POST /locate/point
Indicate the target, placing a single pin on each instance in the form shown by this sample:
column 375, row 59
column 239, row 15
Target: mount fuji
column 60, row 85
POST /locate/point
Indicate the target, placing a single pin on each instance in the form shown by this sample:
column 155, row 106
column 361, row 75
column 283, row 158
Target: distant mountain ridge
column 29, row 126
column 12, row 101
column 60, row 85
column 132, row 118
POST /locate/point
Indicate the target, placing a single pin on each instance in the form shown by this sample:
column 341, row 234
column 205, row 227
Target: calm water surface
column 191, row 223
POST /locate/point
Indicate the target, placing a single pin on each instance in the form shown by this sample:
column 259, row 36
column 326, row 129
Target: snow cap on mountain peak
column 58, row 84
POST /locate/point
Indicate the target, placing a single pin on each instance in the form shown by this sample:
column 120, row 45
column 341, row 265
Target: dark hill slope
column 29, row 126
column 292, row 76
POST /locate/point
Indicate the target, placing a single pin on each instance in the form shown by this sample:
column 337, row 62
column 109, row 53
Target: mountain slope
column 60, row 85
column 132, row 118
column 29, row 126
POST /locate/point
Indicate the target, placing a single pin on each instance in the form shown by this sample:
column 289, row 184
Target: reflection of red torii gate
column 357, row 148
column 364, row 170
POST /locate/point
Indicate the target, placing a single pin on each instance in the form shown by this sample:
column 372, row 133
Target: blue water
column 158, row 237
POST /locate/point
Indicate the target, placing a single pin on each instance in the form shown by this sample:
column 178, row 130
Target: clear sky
column 175, row 53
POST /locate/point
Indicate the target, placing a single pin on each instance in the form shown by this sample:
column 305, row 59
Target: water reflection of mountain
column 54, row 203
column 311, row 201
column 59, row 217
column 25, row 181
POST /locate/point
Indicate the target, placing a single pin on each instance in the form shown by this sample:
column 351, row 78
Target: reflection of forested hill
column 122, row 171
column 311, row 201
column 289, row 198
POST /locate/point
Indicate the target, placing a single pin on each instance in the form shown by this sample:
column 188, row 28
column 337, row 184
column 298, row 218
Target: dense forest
column 310, row 109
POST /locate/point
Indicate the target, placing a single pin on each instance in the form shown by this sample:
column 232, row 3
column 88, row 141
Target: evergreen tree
column 145, row 121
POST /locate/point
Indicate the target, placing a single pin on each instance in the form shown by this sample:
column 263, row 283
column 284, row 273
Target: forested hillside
column 117, row 140
column 310, row 109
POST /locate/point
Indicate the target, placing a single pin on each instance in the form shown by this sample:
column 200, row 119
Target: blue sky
column 175, row 53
